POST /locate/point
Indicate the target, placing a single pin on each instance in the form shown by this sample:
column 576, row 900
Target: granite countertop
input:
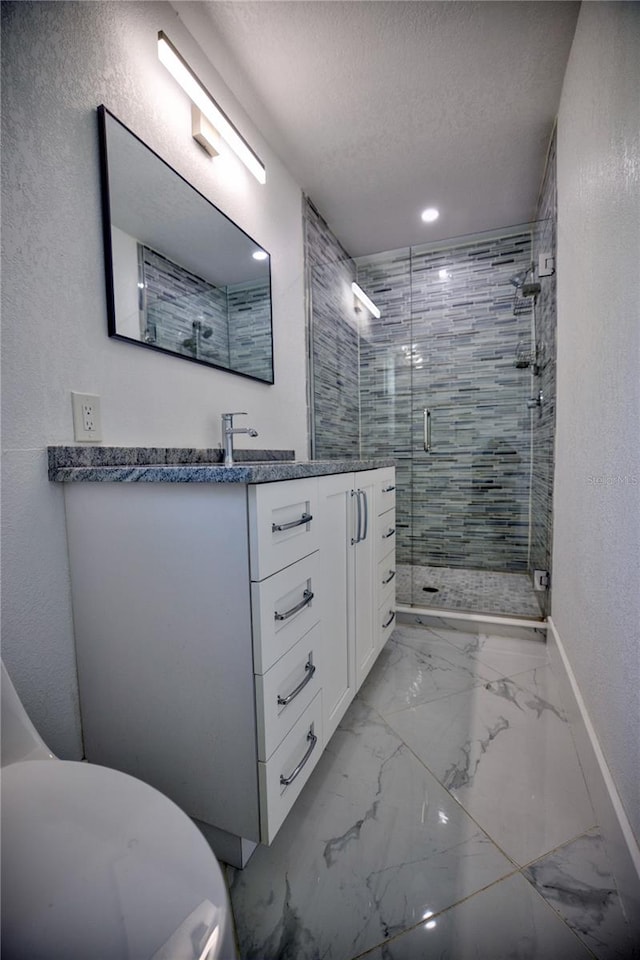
column 190, row 465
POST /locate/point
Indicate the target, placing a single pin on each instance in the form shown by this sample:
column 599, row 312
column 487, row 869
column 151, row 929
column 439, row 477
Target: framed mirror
column 181, row 277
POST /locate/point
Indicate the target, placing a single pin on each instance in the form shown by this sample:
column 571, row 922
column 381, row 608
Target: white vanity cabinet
column 222, row 629
column 355, row 510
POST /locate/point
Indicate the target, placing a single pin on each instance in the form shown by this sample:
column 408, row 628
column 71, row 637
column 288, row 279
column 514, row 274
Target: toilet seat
column 99, row 864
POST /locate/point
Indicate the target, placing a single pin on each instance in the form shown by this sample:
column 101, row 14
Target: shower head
column 518, row 279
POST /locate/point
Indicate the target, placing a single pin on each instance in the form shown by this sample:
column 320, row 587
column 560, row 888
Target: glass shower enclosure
column 454, row 380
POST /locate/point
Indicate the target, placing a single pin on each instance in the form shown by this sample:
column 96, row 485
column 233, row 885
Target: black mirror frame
column 105, row 192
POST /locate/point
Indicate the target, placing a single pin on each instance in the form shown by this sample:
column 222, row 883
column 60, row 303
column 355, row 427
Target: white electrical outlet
column 86, row 417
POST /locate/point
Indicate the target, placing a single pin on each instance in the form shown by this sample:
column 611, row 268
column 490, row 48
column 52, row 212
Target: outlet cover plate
column 87, row 427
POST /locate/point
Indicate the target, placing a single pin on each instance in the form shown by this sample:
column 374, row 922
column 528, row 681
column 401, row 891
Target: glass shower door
column 471, row 429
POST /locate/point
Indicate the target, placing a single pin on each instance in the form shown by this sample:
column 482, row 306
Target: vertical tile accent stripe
column 333, row 342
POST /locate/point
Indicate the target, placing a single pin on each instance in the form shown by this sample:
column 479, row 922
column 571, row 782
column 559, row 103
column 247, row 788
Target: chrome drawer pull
column 392, row 574
column 392, row 616
column 307, row 597
column 285, row 781
column 390, row 533
column 389, row 489
column 305, row 518
column 310, row 668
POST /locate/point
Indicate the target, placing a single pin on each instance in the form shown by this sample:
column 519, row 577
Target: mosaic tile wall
column 333, row 342
column 249, row 318
column 451, row 328
column 173, row 297
column 447, row 341
column 544, row 419
column 233, row 325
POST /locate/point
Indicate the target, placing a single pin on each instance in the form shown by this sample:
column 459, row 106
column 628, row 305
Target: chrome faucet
column 228, row 431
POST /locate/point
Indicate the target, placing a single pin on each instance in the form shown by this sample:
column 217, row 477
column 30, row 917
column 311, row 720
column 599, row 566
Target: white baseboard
column 612, row 819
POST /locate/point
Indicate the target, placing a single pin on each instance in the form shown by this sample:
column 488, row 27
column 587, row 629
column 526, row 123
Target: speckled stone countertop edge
column 104, row 456
column 201, row 472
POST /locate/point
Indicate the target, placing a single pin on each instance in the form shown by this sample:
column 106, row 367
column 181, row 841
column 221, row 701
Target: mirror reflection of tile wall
column 228, row 326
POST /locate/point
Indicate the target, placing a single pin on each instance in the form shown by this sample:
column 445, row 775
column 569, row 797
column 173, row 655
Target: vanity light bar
column 363, row 298
column 182, row 72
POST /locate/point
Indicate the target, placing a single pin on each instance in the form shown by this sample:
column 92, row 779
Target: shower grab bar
column 426, row 421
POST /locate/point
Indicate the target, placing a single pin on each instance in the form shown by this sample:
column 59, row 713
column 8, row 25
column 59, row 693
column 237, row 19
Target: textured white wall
column 596, row 557
column 59, row 61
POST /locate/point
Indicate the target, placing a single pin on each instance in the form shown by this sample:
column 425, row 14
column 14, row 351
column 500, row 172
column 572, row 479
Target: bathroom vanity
column 224, row 620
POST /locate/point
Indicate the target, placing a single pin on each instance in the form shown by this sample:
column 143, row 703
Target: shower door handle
column 426, row 423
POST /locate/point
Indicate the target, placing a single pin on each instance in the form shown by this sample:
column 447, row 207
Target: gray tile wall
column 236, row 318
column 333, row 342
column 249, row 317
column 448, row 344
column 174, row 296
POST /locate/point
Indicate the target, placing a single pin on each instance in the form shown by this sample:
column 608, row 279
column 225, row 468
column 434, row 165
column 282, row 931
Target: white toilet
column 98, row 864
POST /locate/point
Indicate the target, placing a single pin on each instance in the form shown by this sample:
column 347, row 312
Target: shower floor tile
column 448, row 817
column 477, row 591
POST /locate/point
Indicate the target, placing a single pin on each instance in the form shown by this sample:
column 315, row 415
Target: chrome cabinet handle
column 310, row 670
column 427, row 430
column 392, row 574
column 363, row 493
column 392, row 617
column 356, row 494
column 285, row 781
column 305, row 518
column 307, row 597
column 390, row 533
column 389, row 489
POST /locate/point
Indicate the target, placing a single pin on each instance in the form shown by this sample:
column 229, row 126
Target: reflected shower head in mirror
column 518, row 279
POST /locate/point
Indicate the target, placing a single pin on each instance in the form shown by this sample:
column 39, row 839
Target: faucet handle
column 236, row 413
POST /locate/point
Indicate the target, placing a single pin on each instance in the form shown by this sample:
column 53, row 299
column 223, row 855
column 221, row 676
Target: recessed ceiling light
column 430, row 214
column 259, row 255
column 444, row 274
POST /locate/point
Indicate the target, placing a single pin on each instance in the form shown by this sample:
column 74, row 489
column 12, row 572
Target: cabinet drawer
column 283, row 524
column 385, row 489
column 284, row 607
column 294, row 760
column 385, row 534
column 386, row 619
column 286, row 690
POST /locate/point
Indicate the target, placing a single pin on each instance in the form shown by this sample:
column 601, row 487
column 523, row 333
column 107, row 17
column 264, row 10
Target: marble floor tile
column 505, row 752
column 372, row 844
column 509, row 921
column 448, row 817
column 417, row 666
column 507, row 655
column 576, row 880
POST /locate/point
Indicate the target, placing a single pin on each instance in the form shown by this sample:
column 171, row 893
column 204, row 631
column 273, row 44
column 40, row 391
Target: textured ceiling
column 380, row 108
